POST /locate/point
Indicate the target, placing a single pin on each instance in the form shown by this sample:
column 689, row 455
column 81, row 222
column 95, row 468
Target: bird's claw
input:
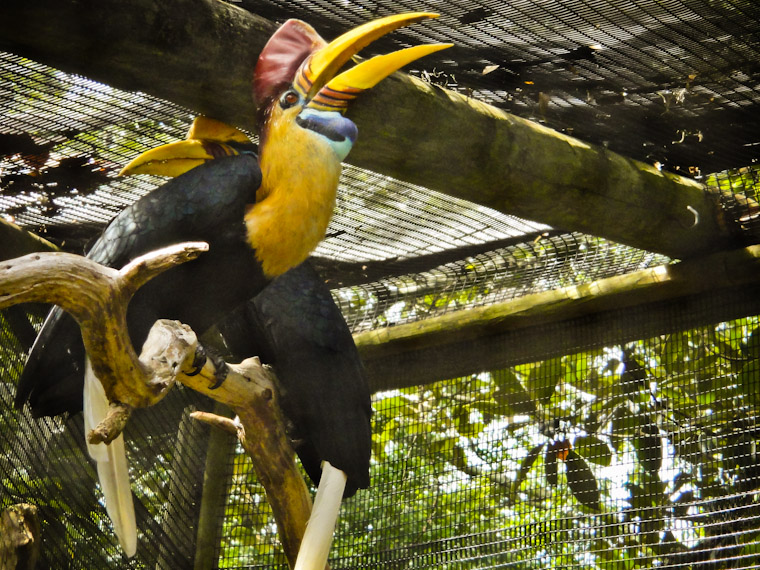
column 198, row 362
column 220, row 371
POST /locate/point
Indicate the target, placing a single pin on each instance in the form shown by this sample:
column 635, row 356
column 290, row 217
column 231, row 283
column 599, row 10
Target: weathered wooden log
column 20, row 537
column 550, row 323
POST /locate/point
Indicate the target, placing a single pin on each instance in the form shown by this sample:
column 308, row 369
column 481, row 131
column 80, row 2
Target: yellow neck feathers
column 296, row 199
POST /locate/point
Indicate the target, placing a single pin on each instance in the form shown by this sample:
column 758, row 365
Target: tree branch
column 249, row 389
column 97, row 298
column 19, row 537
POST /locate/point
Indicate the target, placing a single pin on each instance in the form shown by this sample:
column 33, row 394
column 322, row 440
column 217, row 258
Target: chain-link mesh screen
column 629, row 443
column 550, row 261
column 678, row 77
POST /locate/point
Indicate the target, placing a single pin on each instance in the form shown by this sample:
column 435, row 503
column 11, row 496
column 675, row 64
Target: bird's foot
column 199, row 361
column 221, row 369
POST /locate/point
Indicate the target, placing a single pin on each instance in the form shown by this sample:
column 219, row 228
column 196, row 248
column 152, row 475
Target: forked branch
column 97, row 297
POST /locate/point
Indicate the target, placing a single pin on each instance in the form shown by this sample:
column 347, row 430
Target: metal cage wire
column 471, row 472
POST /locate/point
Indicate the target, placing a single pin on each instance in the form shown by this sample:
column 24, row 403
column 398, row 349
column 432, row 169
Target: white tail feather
column 113, row 472
column 315, row 546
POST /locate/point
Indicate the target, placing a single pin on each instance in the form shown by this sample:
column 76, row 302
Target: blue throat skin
column 340, row 132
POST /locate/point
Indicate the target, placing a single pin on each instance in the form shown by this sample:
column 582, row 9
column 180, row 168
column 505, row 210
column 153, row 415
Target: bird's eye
column 288, row 99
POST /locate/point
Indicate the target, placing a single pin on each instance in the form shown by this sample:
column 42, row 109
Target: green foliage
column 41, row 462
column 625, row 457
column 745, row 181
column 635, row 456
column 615, row 458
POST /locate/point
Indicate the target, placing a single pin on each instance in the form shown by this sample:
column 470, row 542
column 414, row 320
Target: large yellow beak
column 320, row 88
column 316, row 78
column 206, row 140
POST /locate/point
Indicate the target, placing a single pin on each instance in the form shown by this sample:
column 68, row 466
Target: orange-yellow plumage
column 297, row 194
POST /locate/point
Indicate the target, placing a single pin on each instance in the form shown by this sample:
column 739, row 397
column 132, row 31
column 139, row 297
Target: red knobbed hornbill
column 261, row 216
column 295, row 326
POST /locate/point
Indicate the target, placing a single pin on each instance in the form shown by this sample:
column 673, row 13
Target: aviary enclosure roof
column 673, row 84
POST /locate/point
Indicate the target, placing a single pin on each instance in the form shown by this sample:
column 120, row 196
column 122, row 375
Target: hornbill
column 294, row 325
column 260, row 214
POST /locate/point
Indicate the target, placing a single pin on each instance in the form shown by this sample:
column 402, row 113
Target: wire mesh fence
column 640, row 455
column 678, row 77
column 614, row 450
column 636, row 455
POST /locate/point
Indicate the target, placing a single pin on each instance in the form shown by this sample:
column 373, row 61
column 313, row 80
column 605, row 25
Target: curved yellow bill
column 338, row 92
column 371, row 72
column 206, row 128
column 206, row 140
column 323, row 64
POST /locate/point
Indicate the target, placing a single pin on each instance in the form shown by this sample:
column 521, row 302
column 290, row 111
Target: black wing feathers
column 204, row 204
column 52, row 379
column 295, row 326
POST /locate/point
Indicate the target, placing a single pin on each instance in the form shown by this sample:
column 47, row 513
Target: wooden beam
column 216, row 477
column 562, row 321
column 544, row 324
column 17, row 241
column 200, row 53
column 195, row 53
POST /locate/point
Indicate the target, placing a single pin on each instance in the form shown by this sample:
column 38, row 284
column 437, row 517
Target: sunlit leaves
column 512, row 394
column 749, row 381
column 598, row 459
column 641, row 436
column 526, row 465
column 467, row 423
column 742, row 180
column 550, row 466
column 543, row 379
column 649, row 449
column 633, row 379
